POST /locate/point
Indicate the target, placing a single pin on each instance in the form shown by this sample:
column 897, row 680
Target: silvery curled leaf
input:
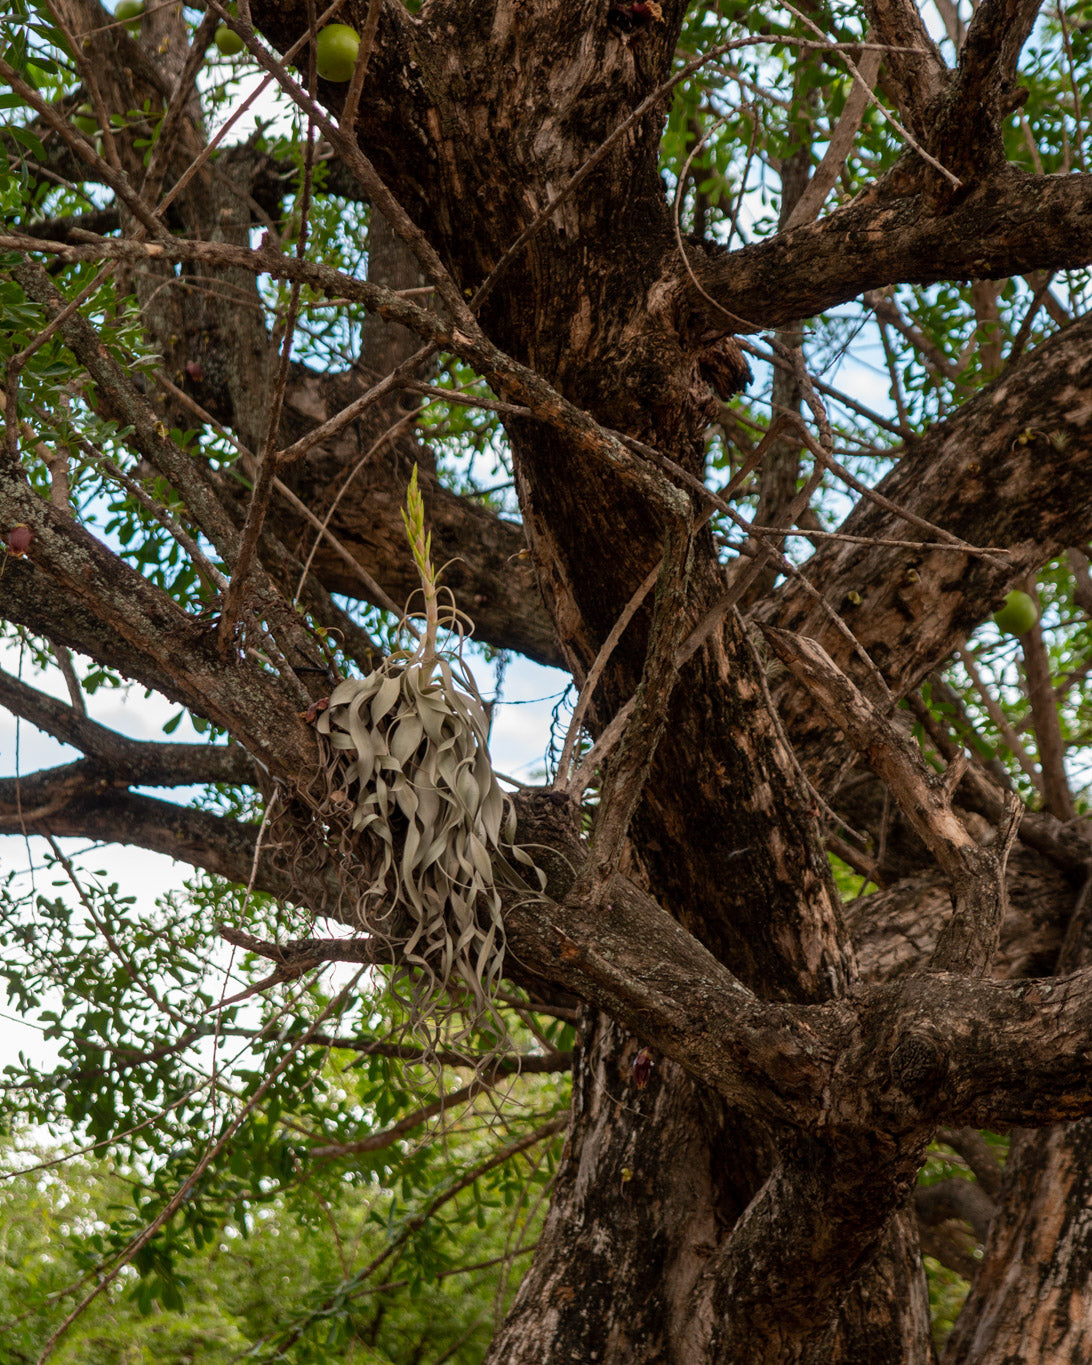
column 433, row 828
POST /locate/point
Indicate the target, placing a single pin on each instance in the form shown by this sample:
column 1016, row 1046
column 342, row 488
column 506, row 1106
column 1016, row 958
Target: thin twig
column 904, row 514
column 111, row 942
column 693, row 483
column 1007, row 733
column 976, row 875
column 371, row 587
column 1057, row 797
column 631, row 762
column 63, row 656
column 380, row 598
column 877, row 104
column 358, row 1283
column 596, row 672
column 388, row 384
column 267, row 462
column 839, row 144
column 347, row 117
column 154, row 507
column 171, row 123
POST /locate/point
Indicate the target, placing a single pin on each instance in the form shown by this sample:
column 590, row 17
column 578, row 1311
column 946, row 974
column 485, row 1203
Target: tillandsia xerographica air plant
column 432, row 826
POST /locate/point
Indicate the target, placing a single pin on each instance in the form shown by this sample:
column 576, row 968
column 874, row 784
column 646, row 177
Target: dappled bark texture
column 650, row 1187
column 589, row 320
column 647, row 1191
column 1030, row 1304
column 896, row 930
column 679, row 1231
column 1029, row 1301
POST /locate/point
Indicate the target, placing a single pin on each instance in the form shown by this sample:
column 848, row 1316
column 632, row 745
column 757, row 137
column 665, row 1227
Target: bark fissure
column 822, row 1052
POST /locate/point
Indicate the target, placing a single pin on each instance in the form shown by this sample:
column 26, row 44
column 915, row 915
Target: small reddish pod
column 18, row 540
column 642, row 1068
column 315, row 710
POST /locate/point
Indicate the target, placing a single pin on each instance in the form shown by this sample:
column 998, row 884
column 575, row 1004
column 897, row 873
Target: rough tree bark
column 752, row 1202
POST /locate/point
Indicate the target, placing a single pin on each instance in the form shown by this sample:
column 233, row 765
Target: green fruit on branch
column 1018, row 615
column 130, row 12
column 228, row 42
column 335, row 52
column 84, row 120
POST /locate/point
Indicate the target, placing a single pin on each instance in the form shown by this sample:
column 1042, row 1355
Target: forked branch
column 976, row 874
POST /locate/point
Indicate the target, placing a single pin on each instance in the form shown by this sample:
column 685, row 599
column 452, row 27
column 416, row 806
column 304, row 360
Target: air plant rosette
column 429, row 822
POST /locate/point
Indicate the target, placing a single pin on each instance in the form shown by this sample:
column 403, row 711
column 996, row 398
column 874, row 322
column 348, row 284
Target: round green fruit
column 228, row 42
column 335, row 52
column 84, row 121
column 130, row 13
column 1018, row 615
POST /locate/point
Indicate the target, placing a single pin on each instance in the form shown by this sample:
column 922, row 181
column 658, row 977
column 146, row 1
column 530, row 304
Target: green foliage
column 134, row 1038
column 280, row 1240
column 947, row 1291
column 228, row 1296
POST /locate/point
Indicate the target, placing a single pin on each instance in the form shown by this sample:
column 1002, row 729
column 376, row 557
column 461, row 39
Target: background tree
column 230, row 1295
column 635, row 261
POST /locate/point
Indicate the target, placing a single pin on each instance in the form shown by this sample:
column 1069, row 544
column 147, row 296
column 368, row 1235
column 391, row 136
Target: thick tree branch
column 71, row 575
column 948, row 1049
column 682, row 1003
column 895, row 931
column 1057, row 797
column 977, row 874
column 950, row 1244
column 151, row 438
column 916, row 72
column 155, row 765
column 588, row 342
column 979, row 1156
column 1009, row 224
column 986, row 1054
column 76, row 806
column 803, row 1238
column 802, row 1241
column 955, row 1198
column 967, row 132
column 62, row 229
column 928, row 1049
column 1008, row 469
column 813, row 195
column 45, row 608
column 120, row 759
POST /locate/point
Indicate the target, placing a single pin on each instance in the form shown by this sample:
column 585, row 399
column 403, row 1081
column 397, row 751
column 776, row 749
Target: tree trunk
column 650, row 1187
column 1030, row 1302
column 680, row 1229
column 647, row 1189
